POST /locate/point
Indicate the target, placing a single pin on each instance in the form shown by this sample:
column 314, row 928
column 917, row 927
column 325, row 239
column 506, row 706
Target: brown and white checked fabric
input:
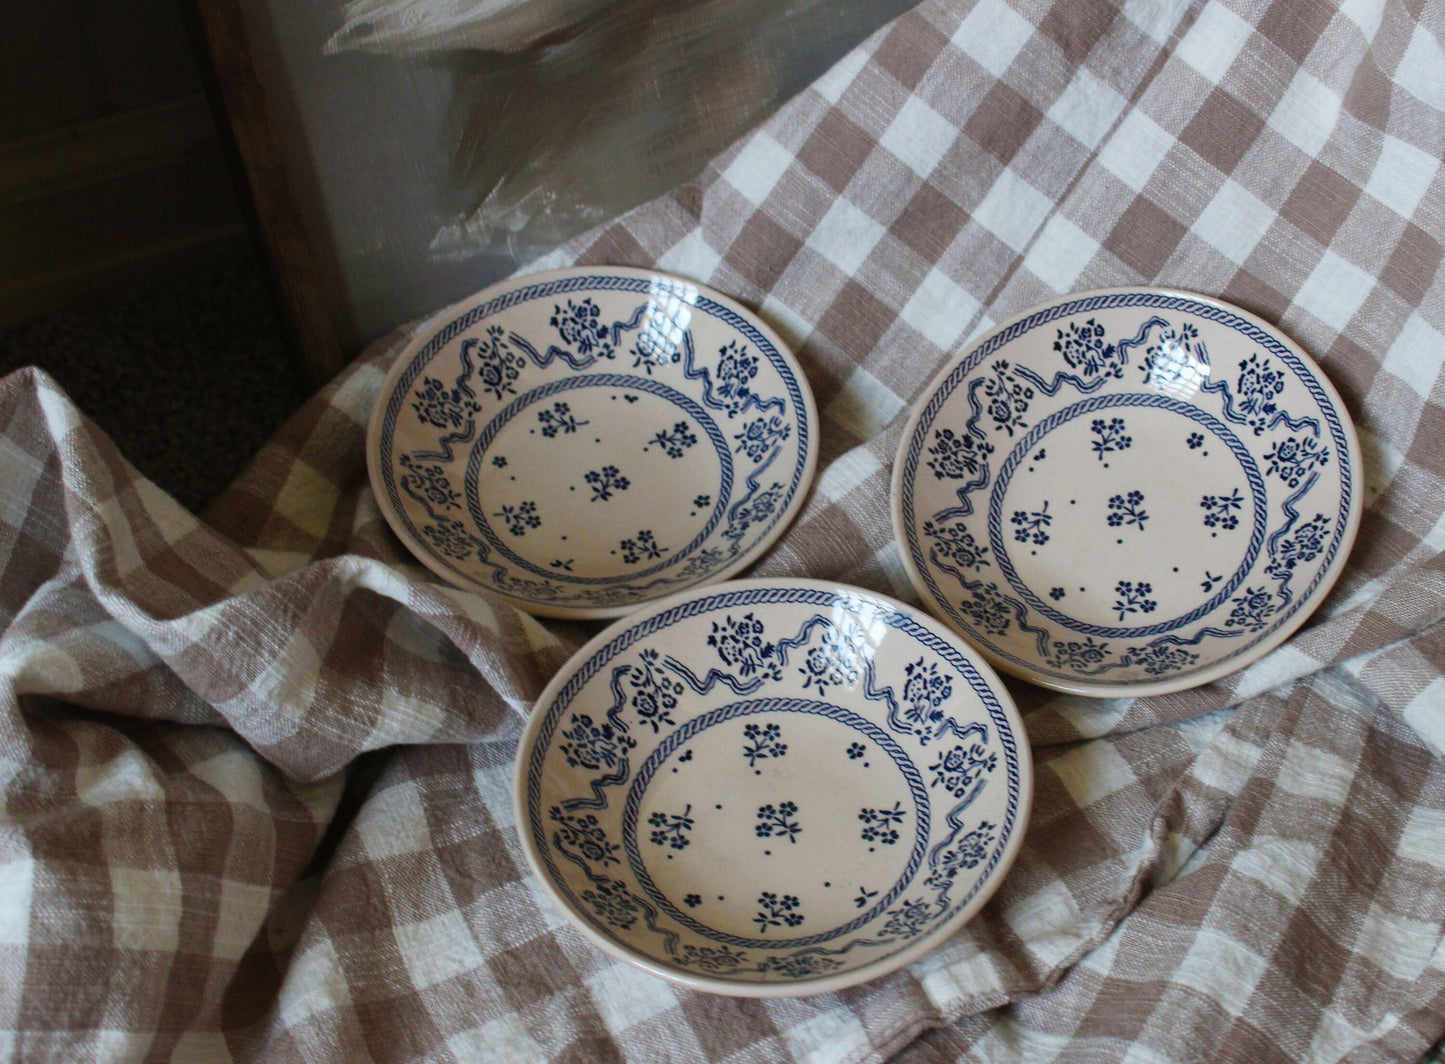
column 256, row 767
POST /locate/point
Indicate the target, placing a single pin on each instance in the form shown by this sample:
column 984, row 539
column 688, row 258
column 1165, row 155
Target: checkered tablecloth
column 256, row 766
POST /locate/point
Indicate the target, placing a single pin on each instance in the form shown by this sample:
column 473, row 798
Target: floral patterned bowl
column 582, row 441
column 772, row 787
column 1127, row 491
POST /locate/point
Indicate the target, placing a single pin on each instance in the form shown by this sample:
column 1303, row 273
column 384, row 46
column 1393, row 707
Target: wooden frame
column 249, row 132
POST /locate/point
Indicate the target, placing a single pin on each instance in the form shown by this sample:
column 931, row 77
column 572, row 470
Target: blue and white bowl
column 582, row 441
column 772, row 787
column 1128, row 491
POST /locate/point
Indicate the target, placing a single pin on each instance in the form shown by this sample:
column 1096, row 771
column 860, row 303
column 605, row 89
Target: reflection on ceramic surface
column 773, row 787
column 1127, row 492
column 586, row 440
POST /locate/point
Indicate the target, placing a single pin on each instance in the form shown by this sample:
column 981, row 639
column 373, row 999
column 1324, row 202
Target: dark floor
column 188, row 374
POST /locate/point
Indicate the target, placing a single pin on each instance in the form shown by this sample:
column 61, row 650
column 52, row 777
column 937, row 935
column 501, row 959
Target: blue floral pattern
column 1029, row 525
column 749, row 695
column 1111, row 436
column 671, row 829
column 1294, row 458
column 675, row 441
column 957, row 457
column 881, row 825
column 605, row 482
column 1085, row 349
column 762, row 742
column 776, row 821
column 741, row 404
column 1127, row 510
column 1006, row 397
column 559, row 419
column 1262, row 436
column 955, row 545
column 776, row 911
column 958, row 769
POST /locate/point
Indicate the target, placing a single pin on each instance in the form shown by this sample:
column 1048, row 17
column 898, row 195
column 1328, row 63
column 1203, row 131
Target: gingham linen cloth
column 256, row 766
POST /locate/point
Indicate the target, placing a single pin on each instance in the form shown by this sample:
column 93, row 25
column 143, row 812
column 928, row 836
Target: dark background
column 126, row 268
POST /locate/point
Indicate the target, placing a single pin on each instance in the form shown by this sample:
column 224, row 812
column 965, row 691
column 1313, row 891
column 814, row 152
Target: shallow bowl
column 772, row 787
column 582, row 441
column 1128, row 491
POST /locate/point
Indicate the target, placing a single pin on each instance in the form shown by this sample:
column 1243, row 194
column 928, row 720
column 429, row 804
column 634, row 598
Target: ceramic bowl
column 1127, row 492
column 772, row 787
column 582, row 441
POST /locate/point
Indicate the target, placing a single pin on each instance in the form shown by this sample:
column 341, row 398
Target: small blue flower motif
column 760, row 436
column 452, row 538
column 442, row 407
column 1056, row 593
column 969, row 852
column 1259, row 385
column 762, row 741
column 605, row 482
column 836, row 662
column 612, row 904
column 1134, row 598
column 955, row 543
column 956, row 770
column 989, row 608
column 1085, row 349
column 1074, row 655
column 1007, row 397
column 692, row 901
column 585, row 835
column 1304, row 546
column 1111, row 436
column 594, row 746
column 856, row 750
column 800, row 965
column 1294, row 458
column 1127, row 510
column 956, row 457
column 908, row 919
column 559, row 419
column 673, row 442
column 428, row 483
column 1195, row 441
column 655, row 347
column 777, row 912
column 735, row 369
column 713, row 958
column 776, row 821
column 702, row 502
column 670, row 829
column 498, row 366
column 519, row 518
column 580, row 326
column 640, row 547
column 740, row 645
column 881, row 825
column 1251, row 609
column 1222, row 511
column 1029, row 526
column 1159, row 659
column 746, row 514
column 925, row 691
column 499, row 461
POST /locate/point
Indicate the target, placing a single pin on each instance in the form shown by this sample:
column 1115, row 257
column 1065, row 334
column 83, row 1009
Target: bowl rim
column 876, row 969
column 424, row 331
column 1200, row 677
